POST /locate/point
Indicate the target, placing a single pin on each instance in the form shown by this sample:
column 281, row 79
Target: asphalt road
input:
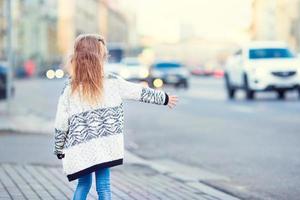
column 255, row 144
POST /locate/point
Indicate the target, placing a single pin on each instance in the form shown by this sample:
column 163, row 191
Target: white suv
column 262, row 66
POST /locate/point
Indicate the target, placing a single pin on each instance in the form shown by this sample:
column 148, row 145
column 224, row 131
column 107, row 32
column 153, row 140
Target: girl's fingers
column 171, row 105
column 172, row 101
column 173, row 98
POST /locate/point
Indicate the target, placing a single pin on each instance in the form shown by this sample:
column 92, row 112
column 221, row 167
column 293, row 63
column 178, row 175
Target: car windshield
column 270, row 53
column 132, row 64
column 167, row 65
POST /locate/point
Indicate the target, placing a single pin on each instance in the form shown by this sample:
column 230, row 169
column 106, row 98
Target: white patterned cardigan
column 92, row 137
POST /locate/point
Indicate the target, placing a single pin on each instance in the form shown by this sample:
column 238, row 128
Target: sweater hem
column 76, row 175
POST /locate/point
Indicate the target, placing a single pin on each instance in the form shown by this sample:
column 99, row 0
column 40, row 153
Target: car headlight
column 59, row 73
column 144, row 73
column 50, row 74
column 158, row 83
column 124, row 73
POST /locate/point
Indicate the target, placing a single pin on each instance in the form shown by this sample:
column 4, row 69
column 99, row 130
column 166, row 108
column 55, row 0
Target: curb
column 23, row 124
column 179, row 175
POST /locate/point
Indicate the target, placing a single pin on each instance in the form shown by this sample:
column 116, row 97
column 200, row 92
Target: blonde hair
column 87, row 62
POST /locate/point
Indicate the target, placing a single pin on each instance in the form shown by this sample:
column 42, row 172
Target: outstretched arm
column 134, row 91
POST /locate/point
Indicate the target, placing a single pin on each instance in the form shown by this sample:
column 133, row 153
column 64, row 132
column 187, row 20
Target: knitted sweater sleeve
column 61, row 123
column 134, row 91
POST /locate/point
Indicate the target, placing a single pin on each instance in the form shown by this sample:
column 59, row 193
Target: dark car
column 168, row 73
column 3, row 82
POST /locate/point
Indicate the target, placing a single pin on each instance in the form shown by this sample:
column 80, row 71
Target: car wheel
column 281, row 94
column 13, row 91
column 229, row 88
column 185, row 84
column 150, row 82
column 2, row 94
column 249, row 93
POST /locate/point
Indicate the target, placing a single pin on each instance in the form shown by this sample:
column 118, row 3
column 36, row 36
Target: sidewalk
column 137, row 179
column 128, row 182
column 40, row 177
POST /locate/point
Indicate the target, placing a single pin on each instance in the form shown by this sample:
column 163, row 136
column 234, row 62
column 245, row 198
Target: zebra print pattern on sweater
column 149, row 95
column 60, row 137
column 94, row 123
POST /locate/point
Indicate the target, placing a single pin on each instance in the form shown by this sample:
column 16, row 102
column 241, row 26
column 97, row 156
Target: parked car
column 3, row 82
column 218, row 73
column 262, row 66
column 168, row 73
column 133, row 69
column 200, row 71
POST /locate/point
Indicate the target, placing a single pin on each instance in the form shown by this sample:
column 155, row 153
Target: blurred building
column 295, row 30
column 44, row 30
column 113, row 23
column 275, row 20
column 75, row 17
column 117, row 21
column 109, row 18
column 33, row 32
column 2, row 30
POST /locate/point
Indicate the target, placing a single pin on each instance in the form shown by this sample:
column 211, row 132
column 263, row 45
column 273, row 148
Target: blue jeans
column 102, row 185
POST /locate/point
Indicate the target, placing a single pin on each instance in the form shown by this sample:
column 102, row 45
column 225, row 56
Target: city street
column 252, row 146
column 217, row 143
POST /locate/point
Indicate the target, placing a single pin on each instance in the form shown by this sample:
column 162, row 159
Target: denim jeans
column 102, row 185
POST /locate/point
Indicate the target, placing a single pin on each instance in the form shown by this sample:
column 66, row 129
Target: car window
column 132, row 64
column 167, row 65
column 270, row 53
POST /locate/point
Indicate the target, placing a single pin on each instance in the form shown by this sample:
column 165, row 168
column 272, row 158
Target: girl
column 89, row 119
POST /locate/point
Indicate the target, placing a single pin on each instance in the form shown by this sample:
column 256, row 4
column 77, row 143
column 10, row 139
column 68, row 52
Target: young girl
column 89, row 119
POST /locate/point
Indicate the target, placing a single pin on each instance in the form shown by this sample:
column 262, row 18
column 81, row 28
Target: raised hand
column 172, row 101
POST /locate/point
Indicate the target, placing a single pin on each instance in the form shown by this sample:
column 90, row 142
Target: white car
column 133, row 69
column 262, row 66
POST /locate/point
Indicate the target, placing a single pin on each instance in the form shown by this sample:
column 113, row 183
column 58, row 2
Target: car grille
column 284, row 74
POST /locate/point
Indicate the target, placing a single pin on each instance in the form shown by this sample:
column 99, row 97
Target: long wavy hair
column 87, row 74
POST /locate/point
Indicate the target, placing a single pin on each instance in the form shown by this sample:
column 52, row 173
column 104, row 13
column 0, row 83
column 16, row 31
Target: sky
column 166, row 20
